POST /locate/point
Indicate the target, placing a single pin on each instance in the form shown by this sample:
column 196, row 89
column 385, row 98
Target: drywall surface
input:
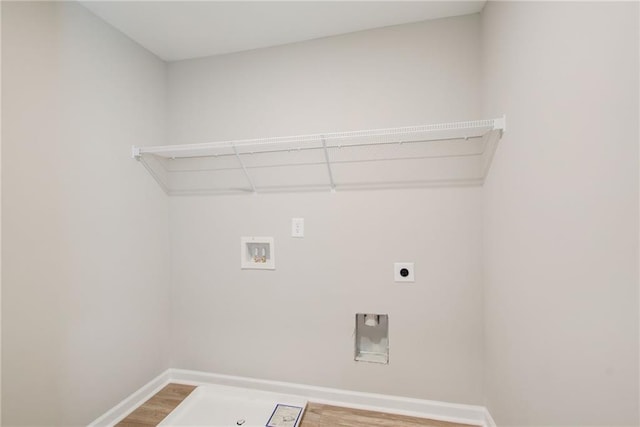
column 0, row 219
column 85, row 305
column 401, row 75
column 296, row 323
column 561, row 213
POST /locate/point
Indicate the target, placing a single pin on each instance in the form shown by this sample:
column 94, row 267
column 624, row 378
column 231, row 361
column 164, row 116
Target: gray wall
column 394, row 76
column 296, row 323
column 85, row 302
column 561, row 213
column 526, row 295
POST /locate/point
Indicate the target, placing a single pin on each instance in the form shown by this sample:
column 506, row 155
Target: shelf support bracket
column 326, row 158
column 244, row 168
column 500, row 124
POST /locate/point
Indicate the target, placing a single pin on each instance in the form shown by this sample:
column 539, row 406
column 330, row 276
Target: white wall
column 85, row 251
column 0, row 219
column 296, row 323
column 561, row 213
column 85, row 305
column 394, row 76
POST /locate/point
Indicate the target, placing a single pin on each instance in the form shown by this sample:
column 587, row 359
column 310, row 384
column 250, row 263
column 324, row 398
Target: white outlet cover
column 398, row 267
column 297, row 227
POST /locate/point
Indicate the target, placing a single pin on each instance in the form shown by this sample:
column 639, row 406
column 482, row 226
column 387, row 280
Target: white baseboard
column 443, row 411
column 468, row 414
column 137, row 398
column 488, row 419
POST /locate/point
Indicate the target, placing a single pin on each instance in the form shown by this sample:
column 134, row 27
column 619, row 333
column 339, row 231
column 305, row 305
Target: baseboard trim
column 131, row 402
column 488, row 419
column 442, row 411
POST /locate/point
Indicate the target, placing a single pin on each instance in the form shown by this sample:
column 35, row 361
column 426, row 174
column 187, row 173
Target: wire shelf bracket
column 326, row 156
column 244, row 168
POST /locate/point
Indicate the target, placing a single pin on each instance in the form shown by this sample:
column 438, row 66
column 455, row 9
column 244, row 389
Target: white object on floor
column 218, row 405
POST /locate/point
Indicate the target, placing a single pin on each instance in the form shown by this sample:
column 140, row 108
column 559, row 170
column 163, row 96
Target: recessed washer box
column 404, row 272
column 257, row 253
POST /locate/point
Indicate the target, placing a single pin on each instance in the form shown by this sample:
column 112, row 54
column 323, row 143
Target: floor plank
column 319, row 415
column 154, row 410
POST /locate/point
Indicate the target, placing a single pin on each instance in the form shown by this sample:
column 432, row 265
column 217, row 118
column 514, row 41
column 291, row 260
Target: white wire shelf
column 415, row 156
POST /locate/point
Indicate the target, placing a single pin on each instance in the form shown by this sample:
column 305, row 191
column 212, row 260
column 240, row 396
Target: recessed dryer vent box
column 372, row 338
column 257, row 253
column 404, row 272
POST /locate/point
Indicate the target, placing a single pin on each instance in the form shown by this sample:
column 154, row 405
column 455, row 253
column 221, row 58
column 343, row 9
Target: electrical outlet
column 297, row 227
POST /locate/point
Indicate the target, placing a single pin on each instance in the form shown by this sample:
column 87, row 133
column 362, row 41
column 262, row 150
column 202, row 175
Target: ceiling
column 176, row 30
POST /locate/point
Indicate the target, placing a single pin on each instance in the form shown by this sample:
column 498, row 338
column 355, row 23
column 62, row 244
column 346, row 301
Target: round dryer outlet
column 403, row 272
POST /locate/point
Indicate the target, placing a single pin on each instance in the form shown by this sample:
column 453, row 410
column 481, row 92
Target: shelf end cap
column 500, row 123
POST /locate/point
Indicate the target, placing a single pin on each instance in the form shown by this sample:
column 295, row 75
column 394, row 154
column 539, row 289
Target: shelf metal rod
column 326, row 147
column 244, row 168
column 303, row 139
column 326, row 157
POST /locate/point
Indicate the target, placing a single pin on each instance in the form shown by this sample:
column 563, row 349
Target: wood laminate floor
column 318, row 415
column 154, row 410
column 162, row 403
